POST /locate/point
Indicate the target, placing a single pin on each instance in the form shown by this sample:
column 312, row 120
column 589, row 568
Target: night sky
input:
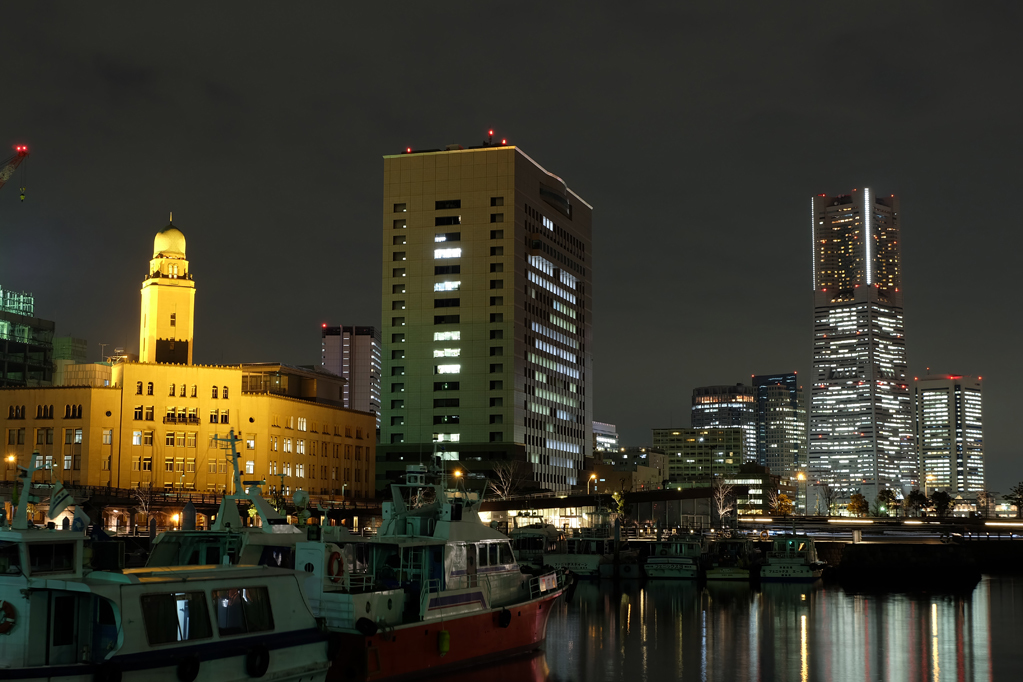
column 698, row 135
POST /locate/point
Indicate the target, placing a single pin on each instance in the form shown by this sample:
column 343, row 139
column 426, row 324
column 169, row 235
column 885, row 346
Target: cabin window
column 494, row 559
column 506, row 553
column 176, row 617
column 51, row 558
column 483, row 562
column 243, row 610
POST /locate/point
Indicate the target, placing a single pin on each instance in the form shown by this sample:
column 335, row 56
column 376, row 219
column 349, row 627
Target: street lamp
column 10, row 460
column 801, row 477
column 593, row 477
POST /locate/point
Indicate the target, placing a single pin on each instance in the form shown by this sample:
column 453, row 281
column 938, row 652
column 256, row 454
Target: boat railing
column 358, row 582
column 786, row 554
column 431, row 586
column 542, row 584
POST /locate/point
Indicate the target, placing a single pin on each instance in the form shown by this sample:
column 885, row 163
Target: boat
column 62, row 619
column 732, row 559
column 677, row 557
column 439, row 590
column 531, row 542
column 792, row 558
column 230, row 540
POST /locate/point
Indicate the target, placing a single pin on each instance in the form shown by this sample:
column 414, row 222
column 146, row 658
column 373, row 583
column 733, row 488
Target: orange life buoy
column 335, row 567
column 7, row 614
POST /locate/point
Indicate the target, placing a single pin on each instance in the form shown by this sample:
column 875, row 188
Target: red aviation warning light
column 8, row 166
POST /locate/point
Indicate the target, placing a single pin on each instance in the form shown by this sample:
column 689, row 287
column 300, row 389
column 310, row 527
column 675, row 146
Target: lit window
column 447, row 253
column 447, row 352
column 447, row 369
column 447, row 336
column 447, row 286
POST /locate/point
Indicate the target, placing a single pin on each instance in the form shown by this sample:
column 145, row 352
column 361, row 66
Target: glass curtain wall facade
column 731, row 407
column 781, row 423
column 861, row 433
column 950, row 433
column 486, row 316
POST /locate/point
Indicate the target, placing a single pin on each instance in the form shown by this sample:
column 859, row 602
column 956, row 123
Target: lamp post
column 10, row 460
column 593, row 477
column 801, row 477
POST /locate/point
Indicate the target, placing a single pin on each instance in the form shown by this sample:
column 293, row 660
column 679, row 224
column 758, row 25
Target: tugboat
column 793, row 559
column 732, row 559
column 439, row 590
column 679, row 557
column 63, row 620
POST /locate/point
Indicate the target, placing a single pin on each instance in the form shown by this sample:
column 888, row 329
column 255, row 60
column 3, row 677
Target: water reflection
column 662, row 630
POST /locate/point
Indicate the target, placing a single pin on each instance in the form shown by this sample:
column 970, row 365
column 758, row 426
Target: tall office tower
column 950, row 433
column 781, row 423
column 732, row 407
column 486, row 309
column 861, row 435
column 354, row 353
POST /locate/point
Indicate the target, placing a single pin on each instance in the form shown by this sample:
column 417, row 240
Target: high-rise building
column 26, row 342
column 861, row 436
column 781, row 423
column 487, row 314
column 698, row 455
column 950, row 433
column 354, row 353
column 732, row 407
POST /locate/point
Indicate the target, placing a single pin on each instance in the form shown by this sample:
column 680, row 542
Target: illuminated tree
column 724, row 501
column 858, row 505
column 507, row 478
column 782, row 505
column 1015, row 496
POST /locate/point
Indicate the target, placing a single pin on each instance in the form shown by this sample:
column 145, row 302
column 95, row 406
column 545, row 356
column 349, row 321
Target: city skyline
column 676, row 176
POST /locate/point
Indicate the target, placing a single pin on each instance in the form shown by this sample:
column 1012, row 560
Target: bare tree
column 830, row 496
column 772, row 500
column 142, row 493
column 506, row 479
column 724, row 501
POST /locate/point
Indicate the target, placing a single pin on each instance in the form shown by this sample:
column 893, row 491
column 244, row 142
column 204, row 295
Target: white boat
column 62, row 620
column 583, row 555
column 732, row 559
column 792, row 558
column 679, row 557
column 531, row 542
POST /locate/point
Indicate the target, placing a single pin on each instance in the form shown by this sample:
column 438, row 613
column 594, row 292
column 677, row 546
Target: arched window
column 10, row 412
column 149, row 388
column 214, row 391
column 195, row 391
column 172, row 390
column 223, row 394
column 67, row 412
column 183, row 388
column 39, row 411
column 138, row 388
column 49, row 413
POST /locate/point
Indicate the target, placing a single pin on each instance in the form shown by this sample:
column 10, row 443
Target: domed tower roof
column 169, row 243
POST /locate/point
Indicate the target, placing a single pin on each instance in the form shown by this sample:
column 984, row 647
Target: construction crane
column 8, row 166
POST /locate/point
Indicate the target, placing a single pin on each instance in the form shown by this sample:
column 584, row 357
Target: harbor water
column 679, row 630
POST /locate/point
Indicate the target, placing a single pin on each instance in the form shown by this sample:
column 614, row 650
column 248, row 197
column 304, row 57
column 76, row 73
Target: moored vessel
column 792, row 558
column 732, row 559
column 679, row 557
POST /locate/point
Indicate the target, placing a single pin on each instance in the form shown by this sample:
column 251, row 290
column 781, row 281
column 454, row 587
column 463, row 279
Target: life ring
column 764, row 535
column 8, row 617
column 335, row 567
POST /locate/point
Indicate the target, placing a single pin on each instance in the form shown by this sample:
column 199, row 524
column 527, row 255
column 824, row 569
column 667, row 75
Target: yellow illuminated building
column 161, row 423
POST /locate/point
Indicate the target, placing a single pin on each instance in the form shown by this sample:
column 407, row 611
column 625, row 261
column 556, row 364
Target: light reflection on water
column 639, row 632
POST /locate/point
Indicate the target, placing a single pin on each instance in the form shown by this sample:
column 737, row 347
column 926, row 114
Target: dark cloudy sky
column 698, row 133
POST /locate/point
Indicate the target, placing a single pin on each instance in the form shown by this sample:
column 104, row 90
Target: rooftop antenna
column 171, row 219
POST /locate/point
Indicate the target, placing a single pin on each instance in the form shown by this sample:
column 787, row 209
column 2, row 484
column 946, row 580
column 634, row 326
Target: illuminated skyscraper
column 732, row 407
column 781, row 424
column 486, row 316
column 860, row 408
column 354, row 353
column 950, row 433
